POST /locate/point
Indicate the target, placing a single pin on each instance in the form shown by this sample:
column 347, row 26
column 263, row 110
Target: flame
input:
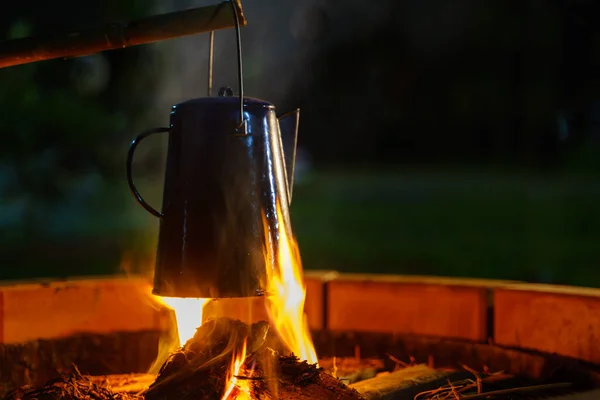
column 286, row 294
column 235, row 388
column 188, row 312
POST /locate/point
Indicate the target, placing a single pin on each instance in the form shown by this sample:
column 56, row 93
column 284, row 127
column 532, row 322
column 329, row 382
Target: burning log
column 202, row 368
column 300, row 380
column 199, row 368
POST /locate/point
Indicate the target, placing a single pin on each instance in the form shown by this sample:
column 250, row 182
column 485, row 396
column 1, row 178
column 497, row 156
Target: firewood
column 347, row 370
column 300, row 380
column 199, row 370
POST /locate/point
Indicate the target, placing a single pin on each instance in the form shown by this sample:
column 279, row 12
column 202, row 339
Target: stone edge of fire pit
column 421, row 305
column 562, row 320
column 546, row 318
column 54, row 309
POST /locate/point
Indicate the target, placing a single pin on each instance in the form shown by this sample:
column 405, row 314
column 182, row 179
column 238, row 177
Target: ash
column 72, row 387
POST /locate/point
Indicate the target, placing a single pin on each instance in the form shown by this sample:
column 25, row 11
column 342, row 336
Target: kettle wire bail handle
column 130, row 154
column 242, row 124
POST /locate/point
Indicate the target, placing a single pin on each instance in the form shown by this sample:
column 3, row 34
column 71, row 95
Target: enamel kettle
column 221, row 177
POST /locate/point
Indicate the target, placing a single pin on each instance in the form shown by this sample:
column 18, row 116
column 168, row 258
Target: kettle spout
column 288, row 128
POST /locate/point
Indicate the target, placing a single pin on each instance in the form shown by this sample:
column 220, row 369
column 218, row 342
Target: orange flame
column 286, row 294
column 188, row 312
column 236, row 389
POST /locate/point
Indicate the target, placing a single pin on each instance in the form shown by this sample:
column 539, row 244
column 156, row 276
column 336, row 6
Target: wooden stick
column 502, row 392
column 119, row 35
column 404, row 384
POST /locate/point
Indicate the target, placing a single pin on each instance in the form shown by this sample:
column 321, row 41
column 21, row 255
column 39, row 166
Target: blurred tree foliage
column 438, row 81
column 64, row 129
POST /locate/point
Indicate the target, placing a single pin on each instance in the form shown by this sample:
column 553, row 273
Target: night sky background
column 436, row 137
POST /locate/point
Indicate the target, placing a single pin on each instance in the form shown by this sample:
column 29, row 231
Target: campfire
column 226, row 358
column 229, row 359
column 271, row 355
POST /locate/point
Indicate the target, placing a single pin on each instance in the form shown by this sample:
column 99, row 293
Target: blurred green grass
column 459, row 222
column 509, row 225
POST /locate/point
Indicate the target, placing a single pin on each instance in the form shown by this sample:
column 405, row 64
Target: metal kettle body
column 219, row 184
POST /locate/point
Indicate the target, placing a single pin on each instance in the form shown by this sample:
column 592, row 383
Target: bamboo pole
column 120, row 35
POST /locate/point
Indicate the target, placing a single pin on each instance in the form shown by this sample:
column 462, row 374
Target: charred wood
column 199, row 370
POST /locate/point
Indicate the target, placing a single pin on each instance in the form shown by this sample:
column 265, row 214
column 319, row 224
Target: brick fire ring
column 107, row 325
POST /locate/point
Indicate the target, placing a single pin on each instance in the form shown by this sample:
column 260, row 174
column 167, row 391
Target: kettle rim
column 225, row 101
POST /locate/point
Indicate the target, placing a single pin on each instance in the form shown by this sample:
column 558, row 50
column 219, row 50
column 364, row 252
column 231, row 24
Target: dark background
column 436, row 137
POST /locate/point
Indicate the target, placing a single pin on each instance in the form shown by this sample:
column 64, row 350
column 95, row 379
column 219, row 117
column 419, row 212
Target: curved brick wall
column 551, row 319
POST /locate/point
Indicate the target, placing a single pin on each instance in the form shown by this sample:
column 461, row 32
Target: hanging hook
column 242, row 126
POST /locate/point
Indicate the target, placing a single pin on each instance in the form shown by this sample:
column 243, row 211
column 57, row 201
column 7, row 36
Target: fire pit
column 232, row 323
column 381, row 336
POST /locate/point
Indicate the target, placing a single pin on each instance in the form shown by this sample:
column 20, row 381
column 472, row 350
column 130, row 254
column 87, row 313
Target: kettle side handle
column 130, row 154
column 288, row 129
